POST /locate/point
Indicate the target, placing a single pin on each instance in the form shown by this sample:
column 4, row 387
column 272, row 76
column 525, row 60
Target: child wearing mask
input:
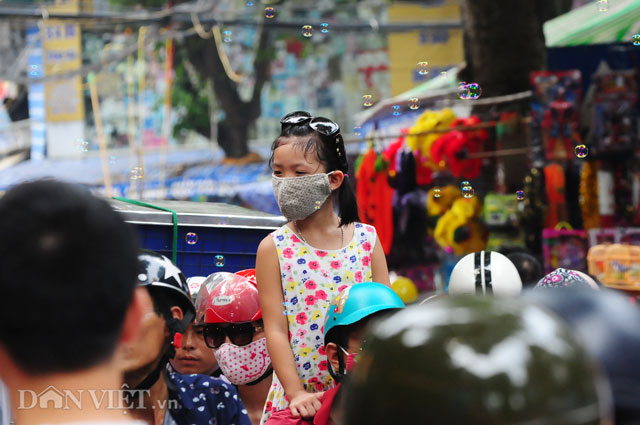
column 304, row 264
column 233, row 328
column 345, row 325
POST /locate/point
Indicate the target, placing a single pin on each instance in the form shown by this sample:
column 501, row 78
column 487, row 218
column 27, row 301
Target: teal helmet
column 357, row 302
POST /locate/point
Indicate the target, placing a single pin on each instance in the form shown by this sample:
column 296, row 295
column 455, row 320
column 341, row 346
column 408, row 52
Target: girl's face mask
column 352, row 359
column 299, row 197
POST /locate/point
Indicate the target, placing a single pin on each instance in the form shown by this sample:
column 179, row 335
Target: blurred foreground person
column 485, row 273
column 475, row 360
column 608, row 324
column 233, row 328
column 345, row 324
column 68, row 266
column 158, row 394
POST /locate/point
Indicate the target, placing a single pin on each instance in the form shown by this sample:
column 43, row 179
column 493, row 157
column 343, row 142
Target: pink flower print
column 324, row 274
column 287, row 253
column 336, row 264
column 311, row 285
column 301, row 333
column 321, row 350
column 321, row 253
column 366, row 260
column 288, row 266
column 314, row 265
column 358, row 276
column 366, row 246
column 321, row 295
column 342, row 287
column 268, row 407
column 295, row 239
column 322, row 365
column 301, row 318
column 310, row 300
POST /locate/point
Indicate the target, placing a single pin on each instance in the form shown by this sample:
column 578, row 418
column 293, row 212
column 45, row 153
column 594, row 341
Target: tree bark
column 504, row 42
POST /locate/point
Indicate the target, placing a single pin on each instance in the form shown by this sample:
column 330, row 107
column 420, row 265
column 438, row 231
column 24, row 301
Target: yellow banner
column 62, row 52
column 441, row 48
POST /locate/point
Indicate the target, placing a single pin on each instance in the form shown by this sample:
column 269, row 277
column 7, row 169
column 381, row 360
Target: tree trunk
column 504, row 42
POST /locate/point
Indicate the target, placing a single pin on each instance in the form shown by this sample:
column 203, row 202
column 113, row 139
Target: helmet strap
column 339, row 375
column 152, row 378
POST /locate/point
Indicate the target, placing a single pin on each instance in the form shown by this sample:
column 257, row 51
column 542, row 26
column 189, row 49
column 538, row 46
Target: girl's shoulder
column 366, row 228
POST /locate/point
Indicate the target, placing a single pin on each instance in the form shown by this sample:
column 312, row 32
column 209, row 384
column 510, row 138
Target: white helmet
column 485, row 272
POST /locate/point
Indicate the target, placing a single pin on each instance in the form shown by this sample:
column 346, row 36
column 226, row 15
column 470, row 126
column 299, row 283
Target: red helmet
column 234, row 299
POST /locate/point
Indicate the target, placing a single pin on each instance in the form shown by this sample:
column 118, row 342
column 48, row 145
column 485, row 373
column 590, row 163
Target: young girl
column 303, row 265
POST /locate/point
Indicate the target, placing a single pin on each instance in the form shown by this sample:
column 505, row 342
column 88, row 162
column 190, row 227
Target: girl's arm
column 379, row 269
column 276, row 329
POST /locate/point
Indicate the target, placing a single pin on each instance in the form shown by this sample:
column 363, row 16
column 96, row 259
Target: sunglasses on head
column 322, row 125
column 239, row 333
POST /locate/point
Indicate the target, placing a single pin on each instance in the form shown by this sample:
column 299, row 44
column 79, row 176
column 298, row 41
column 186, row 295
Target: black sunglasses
column 238, row 333
column 322, row 125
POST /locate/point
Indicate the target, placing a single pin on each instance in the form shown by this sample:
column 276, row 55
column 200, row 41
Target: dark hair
column 330, row 151
column 528, row 266
column 67, row 273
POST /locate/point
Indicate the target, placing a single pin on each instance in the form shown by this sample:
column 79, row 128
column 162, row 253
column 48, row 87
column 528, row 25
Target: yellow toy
column 441, row 199
column 429, row 120
column 406, row 289
column 460, row 229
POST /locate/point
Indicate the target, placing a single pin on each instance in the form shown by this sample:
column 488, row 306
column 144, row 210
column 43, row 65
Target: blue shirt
column 203, row 400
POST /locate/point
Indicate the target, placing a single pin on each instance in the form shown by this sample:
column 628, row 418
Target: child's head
column 346, row 321
column 307, row 146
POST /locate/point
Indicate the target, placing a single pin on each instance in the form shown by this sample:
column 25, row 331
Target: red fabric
column 284, row 417
column 374, row 199
column 391, row 152
column 446, row 147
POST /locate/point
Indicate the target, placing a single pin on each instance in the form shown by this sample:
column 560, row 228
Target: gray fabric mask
column 299, row 197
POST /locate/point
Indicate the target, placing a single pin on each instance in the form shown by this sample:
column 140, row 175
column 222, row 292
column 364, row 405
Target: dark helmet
column 608, row 325
column 158, row 273
column 475, row 360
column 528, row 267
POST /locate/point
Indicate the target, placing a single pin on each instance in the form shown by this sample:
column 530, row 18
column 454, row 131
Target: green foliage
column 192, row 102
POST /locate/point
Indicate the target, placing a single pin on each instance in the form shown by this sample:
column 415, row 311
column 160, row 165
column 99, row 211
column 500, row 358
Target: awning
column 587, row 25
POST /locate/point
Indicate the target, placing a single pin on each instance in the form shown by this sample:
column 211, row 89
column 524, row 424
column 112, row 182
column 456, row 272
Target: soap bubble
column 436, row 193
column 191, row 238
column 464, row 184
column 366, row 100
column 520, row 195
column 250, row 3
column 581, row 151
column 357, row 131
column 227, row 36
column 603, row 5
column 269, row 12
column 324, row 28
column 219, row 260
column 113, row 160
column 82, row 145
column 423, row 68
column 396, row 110
column 471, row 91
column 307, row 30
column 414, row 103
column 468, row 192
column 136, row 173
column 636, row 39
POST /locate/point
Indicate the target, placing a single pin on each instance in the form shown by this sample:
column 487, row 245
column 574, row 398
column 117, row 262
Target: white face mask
column 299, row 197
column 243, row 364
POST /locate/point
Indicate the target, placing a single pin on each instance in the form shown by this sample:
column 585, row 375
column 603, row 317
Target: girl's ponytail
column 347, row 204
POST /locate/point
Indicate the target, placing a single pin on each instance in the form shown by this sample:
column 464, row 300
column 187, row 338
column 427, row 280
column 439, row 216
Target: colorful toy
column 460, row 229
column 450, row 150
column 564, row 248
column 406, row 289
column 616, row 265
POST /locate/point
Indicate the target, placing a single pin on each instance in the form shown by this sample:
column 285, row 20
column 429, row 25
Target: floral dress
column 311, row 278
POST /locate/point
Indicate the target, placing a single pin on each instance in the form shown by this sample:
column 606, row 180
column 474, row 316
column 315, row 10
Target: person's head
column 67, row 278
column 233, row 328
column 480, row 360
column 346, row 321
column 170, row 314
column 565, row 278
column 485, row 272
column 606, row 323
column 193, row 355
column 309, row 147
column 528, row 267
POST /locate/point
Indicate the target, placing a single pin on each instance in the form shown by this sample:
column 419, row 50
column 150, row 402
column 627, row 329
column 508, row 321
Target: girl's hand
column 305, row 404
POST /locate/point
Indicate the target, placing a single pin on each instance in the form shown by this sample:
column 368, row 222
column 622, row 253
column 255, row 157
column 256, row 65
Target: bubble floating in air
column 324, row 28
column 414, row 103
column 423, row 68
column 227, row 36
column 520, row 195
column 436, row 193
column 396, row 110
column 468, row 192
column 219, row 259
column 269, row 12
column 307, row 31
column 367, row 100
column 581, row 151
column 191, row 238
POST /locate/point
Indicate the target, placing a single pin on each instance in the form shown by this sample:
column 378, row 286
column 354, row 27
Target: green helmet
column 357, row 302
column 475, row 360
